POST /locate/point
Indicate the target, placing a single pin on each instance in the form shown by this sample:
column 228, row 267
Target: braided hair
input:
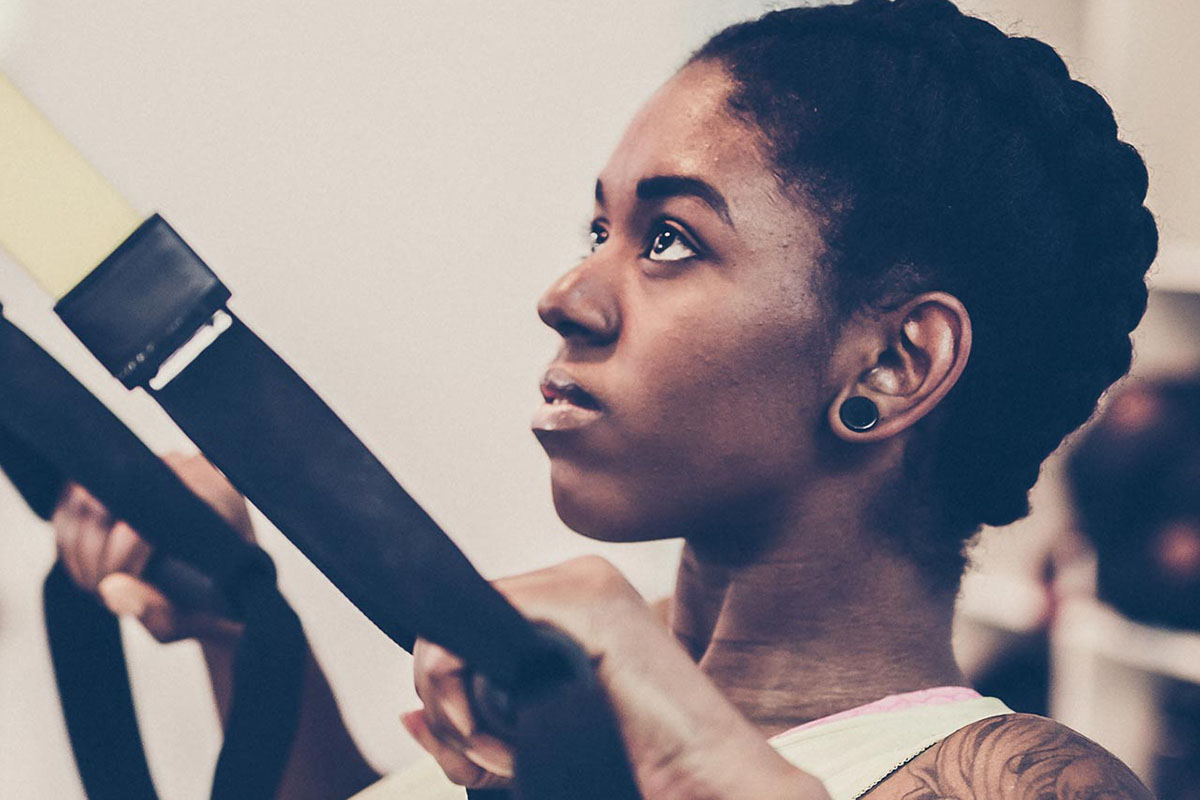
column 942, row 154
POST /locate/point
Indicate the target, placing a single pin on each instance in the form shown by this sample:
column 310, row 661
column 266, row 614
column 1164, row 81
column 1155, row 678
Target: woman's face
column 690, row 384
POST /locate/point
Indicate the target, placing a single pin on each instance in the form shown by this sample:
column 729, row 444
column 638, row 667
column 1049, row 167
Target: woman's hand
column 684, row 739
column 106, row 556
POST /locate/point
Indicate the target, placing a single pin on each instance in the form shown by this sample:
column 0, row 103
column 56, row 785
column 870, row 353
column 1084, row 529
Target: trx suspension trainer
column 156, row 317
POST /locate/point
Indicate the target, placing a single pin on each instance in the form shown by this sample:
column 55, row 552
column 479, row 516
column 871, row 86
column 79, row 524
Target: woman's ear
column 913, row 355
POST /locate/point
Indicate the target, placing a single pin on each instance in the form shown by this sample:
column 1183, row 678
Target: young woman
column 856, row 271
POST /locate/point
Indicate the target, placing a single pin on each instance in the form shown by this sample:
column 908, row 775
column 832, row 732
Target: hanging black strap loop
column 52, row 417
column 268, row 677
column 93, row 685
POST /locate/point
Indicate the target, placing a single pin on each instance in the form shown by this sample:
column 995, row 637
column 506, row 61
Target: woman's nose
column 582, row 307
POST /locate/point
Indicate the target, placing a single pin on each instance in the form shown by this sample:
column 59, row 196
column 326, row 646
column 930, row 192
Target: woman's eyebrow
column 660, row 187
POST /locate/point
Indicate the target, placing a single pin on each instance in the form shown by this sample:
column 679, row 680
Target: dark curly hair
column 943, row 154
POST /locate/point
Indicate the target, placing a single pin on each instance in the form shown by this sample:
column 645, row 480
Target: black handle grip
column 557, row 660
column 187, row 587
column 40, row 483
column 555, row 710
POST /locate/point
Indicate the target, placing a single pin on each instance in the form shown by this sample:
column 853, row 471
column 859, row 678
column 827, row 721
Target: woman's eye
column 669, row 244
column 597, row 236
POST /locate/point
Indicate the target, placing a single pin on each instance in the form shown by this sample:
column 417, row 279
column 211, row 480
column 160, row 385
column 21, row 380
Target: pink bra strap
column 896, row 702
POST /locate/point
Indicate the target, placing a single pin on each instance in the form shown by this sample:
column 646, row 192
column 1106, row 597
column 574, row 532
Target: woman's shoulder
column 1013, row 757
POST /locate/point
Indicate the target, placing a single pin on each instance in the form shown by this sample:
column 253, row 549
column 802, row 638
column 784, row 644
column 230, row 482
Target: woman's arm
column 1014, row 757
column 106, row 556
column 684, row 739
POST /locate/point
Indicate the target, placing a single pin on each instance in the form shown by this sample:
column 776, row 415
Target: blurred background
column 387, row 187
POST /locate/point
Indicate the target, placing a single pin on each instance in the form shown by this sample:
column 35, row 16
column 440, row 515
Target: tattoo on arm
column 1022, row 757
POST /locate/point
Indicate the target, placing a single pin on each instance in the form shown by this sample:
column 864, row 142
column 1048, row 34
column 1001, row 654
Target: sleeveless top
column 851, row 751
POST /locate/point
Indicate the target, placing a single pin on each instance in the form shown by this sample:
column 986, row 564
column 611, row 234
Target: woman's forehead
column 685, row 128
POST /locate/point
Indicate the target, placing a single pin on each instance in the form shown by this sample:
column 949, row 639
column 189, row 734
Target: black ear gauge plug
column 859, row 414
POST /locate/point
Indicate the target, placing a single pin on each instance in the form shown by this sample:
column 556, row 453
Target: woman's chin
column 602, row 513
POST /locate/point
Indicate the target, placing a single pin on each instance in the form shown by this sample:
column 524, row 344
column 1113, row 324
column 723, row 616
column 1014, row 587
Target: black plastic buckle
column 143, row 302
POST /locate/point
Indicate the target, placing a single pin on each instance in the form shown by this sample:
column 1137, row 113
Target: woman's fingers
column 93, row 545
column 124, row 551
column 66, row 530
column 81, row 526
column 439, row 682
column 570, row 596
column 447, row 716
column 107, row 556
column 458, row 767
column 89, row 549
column 125, row 595
column 491, row 754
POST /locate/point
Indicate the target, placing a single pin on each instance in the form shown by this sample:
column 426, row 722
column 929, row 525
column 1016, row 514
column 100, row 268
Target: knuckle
column 463, row 775
column 433, row 660
column 64, row 528
column 462, row 772
column 436, row 722
column 83, row 503
column 444, row 684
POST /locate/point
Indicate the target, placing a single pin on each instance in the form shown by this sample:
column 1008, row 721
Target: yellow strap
column 59, row 218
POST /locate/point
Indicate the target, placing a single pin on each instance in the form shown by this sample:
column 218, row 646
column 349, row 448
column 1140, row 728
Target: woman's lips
column 566, row 405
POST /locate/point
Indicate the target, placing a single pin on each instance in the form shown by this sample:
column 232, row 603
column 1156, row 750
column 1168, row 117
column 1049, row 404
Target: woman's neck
column 819, row 624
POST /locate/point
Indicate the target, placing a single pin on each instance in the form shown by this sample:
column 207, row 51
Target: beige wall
column 387, row 187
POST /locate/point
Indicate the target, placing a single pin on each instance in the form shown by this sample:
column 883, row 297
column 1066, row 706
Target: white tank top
column 851, row 752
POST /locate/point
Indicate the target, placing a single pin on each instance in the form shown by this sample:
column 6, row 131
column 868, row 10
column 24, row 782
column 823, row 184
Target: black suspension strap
column 52, row 429
column 86, row 653
column 155, row 315
column 93, row 688
column 303, row 468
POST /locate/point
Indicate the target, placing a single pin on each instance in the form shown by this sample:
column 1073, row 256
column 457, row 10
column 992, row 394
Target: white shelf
column 1107, row 675
column 1090, row 625
column 1107, row 671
